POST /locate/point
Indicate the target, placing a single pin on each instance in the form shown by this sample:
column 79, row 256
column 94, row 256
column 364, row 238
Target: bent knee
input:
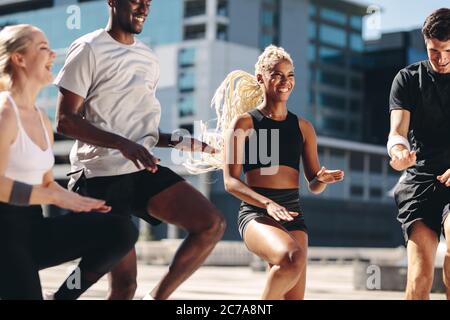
column 214, row 227
column 293, row 259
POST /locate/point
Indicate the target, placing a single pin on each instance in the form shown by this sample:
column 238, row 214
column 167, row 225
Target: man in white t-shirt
column 107, row 103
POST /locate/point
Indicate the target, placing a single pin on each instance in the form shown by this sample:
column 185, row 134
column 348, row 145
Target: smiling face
column 36, row 60
column 439, row 55
column 130, row 14
column 278, row 81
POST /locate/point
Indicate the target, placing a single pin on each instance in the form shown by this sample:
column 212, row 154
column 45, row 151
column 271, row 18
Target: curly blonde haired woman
column 253, row 116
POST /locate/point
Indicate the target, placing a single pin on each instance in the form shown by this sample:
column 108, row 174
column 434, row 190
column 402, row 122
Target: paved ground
column 329, row 282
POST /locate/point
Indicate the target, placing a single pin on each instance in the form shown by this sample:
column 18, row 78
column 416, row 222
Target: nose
column 144, row 8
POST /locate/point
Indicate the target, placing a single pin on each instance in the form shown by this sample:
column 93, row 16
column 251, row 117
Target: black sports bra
column 285, row 136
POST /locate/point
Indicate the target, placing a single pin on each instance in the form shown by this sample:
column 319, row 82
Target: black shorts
column 128, row 194
column 422, row 197
column 288, row 198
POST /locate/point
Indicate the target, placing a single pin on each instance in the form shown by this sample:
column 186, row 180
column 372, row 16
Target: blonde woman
column 28, row 241
column 253, row 116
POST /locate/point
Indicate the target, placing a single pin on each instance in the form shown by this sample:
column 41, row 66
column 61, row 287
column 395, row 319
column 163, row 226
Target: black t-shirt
column 426, row 94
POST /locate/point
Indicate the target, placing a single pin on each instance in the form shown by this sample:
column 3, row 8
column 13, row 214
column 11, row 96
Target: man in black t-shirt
column 420, row 110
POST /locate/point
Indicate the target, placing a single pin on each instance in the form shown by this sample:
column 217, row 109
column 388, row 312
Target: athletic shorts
column 128, row 194
column 422, row 197
column 288, row 198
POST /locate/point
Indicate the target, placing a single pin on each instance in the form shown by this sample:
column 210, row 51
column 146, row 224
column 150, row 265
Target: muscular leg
column 122, row 278
column 187, row 208
column 421, row 250
column 447, row 257
column 298, row 291
column 268, row 240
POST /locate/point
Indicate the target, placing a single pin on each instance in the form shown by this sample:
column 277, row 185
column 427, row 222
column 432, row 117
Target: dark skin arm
column 71, row 123
column 185, row 143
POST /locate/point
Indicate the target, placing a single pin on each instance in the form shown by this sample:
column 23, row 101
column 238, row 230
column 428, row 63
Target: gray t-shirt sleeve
column 78, row 70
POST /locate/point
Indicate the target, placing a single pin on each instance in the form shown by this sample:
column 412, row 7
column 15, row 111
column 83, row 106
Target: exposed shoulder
column 243, row 121
column 307, row 129
column 8, row 120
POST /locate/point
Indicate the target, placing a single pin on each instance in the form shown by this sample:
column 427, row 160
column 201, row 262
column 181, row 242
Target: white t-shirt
column 118, row 83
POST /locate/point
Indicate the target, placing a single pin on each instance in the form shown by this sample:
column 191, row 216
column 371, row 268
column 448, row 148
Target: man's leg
column 447, row 257
column 185, row 207
column 122, row 278
column 421, row 250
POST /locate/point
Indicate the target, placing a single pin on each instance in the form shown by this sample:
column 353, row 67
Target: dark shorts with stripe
column 288, row 198
column 128, row 194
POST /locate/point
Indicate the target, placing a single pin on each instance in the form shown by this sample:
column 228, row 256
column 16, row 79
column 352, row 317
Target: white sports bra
column 27, row 161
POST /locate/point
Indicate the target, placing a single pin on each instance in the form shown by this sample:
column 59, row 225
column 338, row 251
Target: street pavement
column 324, row 282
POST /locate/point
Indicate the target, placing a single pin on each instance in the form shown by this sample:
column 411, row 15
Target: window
column 332, row 101
column 312, row 30
column 222, row 32
column 333, row 124
column 332, row 79
column 186, row 82
column 357, row 161
column 333, row 35
column 222, row 8
column 312, row 10
column 356, row 42
column 186, row 57
column 356, row 22
column 186, row 106
column 194, row 32
column 356, row 191
column 376, row 164
column 333, row 15
column 331, row 56
column 311, row 52
column 194, row 8
column 376, row 193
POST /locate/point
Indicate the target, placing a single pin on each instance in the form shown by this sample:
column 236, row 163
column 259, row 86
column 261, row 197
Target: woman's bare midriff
column 277, row 177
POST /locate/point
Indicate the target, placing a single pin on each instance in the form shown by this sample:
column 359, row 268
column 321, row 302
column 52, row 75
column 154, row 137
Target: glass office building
column 199, row 41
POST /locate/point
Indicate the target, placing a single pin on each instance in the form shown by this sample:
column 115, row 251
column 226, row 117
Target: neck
column 118, row 33
column 276, row 108
column 24, row 92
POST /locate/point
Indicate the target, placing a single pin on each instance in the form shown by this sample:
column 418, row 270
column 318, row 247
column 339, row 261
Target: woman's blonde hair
column 13, row 39
column 239, row 93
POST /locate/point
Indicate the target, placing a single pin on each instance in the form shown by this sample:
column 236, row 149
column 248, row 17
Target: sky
column 399, row 15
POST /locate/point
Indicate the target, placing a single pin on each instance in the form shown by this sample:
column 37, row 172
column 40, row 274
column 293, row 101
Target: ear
column 112, row 3
column 259, row 78
column 18, row 60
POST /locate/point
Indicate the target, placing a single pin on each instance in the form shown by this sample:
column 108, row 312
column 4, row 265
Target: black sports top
column 286, row 137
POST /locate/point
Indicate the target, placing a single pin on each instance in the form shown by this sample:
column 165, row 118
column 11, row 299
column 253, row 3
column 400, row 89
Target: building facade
column 199, row 41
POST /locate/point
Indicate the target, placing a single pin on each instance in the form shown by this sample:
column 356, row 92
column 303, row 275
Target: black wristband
column 20, row 194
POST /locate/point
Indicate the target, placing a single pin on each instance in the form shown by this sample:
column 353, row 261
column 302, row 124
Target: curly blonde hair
column 239, row 93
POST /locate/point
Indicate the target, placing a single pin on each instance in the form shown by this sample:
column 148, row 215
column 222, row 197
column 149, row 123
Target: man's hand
column 402, row 158
column 139, row 155
column 194, row 145
column 445, row 178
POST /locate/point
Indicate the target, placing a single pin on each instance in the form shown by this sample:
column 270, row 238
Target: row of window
column 336, row 17
column 194, row 8
column 186, row 82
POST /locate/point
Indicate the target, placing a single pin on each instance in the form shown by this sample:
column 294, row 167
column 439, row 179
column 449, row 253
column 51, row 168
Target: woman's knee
column 291, row 259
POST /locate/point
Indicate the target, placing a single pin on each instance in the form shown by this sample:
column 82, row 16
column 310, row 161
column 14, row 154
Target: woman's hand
column 74, row 202
column 329, row 176
column 280, row 213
